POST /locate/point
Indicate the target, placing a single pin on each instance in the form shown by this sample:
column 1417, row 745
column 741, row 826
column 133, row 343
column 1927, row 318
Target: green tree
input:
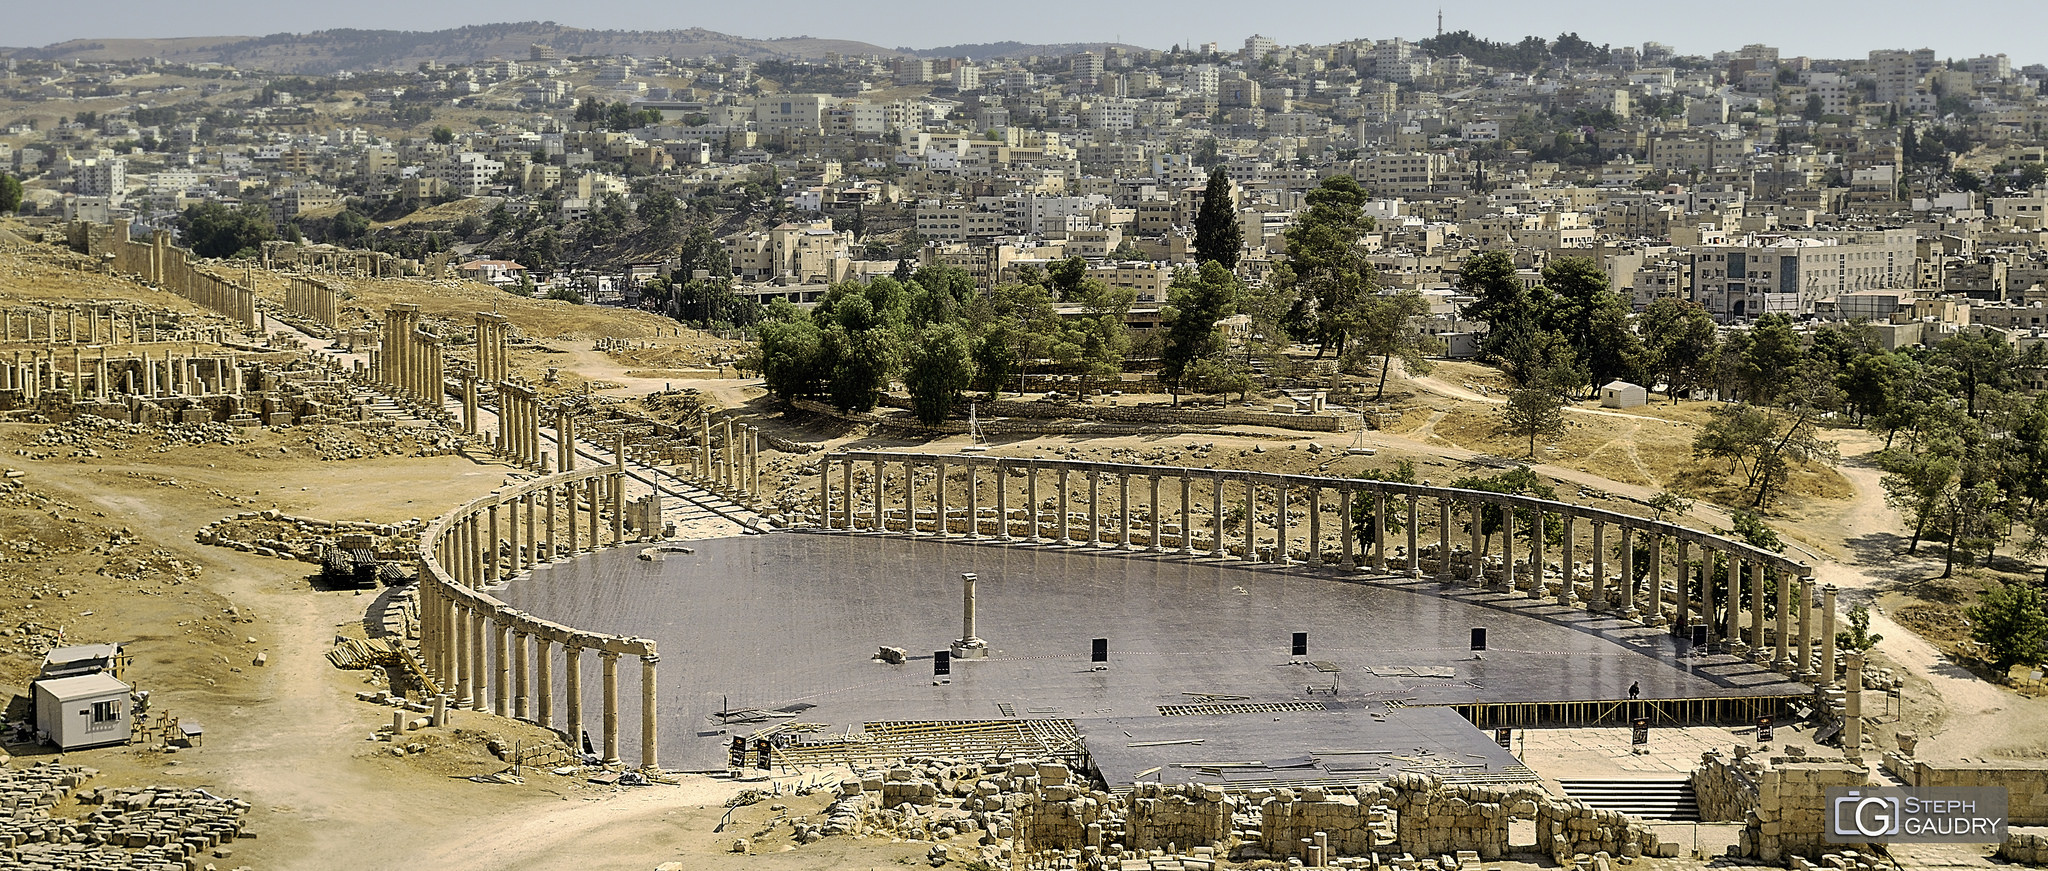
column 1531, row 412
column 1388, row 325
column 2011, row 622
column 1197, row 300
column 1096, row 341
column 1218, row 235
column 938, row 371
column 349, row 228
column 1767, row 361
column 1365, row 508
column 1514, row 313
column 1520, row 480
column 790, row 354
column 662, row 214
column 10, row 194
column 443, row 135
column 1326, row 264
column 1593, row 319
column 212, row 229
column 1858, row 636
column 1977, row 360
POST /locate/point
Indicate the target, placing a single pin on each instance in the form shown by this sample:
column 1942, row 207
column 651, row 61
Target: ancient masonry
column 1675, row 590
column 409, row 363
column 159, row 828
column 490, row 657
column 159, row 264
column 315, row 300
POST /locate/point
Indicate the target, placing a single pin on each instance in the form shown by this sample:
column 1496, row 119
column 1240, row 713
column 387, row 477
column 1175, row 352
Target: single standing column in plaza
column 1805, row 664
column 647, row 719
column 969, row 645
column 1281, row 556
column 1827, row 636
column 609, row 660
column 1344, row 538
column 544, row 680
column 572, row 685
column 1782, row 658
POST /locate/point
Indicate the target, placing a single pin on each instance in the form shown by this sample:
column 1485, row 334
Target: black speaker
column 1478, row 638
column 1098, row 650
column 1300, row 644
column 942, row 663
column 1699, row 636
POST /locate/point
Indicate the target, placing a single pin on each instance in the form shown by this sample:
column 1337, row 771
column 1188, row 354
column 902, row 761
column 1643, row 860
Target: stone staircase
column 1666, row 799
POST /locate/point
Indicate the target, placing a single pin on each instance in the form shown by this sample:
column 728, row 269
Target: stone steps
column 1647, row 799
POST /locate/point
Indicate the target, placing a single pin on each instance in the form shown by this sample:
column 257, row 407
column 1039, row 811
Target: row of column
column 174, row 375
column 727, row 459
column 493, row 337
column 511, row 673
column 519, row 415
column 100, row 325
column 409, row 360
column 314, row 299
column 174, row 272
column 1367, row 515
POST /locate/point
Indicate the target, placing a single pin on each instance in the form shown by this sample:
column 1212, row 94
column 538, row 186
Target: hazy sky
column 1841, row 29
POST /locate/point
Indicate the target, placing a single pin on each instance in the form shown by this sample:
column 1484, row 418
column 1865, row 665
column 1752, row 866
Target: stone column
column 610, row 661
column 1478, row 530
column 1684, row 567
column 501, row 695
column 1656, row 615
column 754, row 462
column 1123, row 510
column 1031, row 500
column 880, row 524
column 1281, row 554
column 572, row 684
column 1251, row 520
column 1443, row 540
column 1347, row 562
column 1852, row 709
column 1094, row 508
column 477, row 657
column 1707, row 558
column 1599, row 600
column 1827, row 636
column 1782, row 660
column 939, row 525
column 1628, row 571
column 1187, row 513
column 493, row 570
column 1733, row 633
column 974, row 501
column 1536, row 560
column 1315, row 524
column 1414, row 530
column 846, row 488
column 1756, row 612
column 1805, row 663
column 458, row 626
column 1064, row 537
column 1507, row 547
column 522, row 700
column 1002, row 501
column 1152, row 512
column 1379, row 530
column 648, row 760
column 590, row 485
column 544, row 680
column 1216, row 518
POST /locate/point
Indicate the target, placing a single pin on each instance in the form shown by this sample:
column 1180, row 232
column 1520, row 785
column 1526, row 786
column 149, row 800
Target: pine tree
column 1218, row 236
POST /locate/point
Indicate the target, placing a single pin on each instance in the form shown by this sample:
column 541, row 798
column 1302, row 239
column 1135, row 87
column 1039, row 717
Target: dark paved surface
column 794, row 619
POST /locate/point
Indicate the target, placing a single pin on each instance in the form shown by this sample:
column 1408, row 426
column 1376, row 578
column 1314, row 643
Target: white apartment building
column 1789, row 274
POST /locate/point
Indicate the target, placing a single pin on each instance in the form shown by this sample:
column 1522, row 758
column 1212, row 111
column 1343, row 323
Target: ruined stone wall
column 1726, row 786
column 2026, row 784
column 1791, row 808
column 2026, row 846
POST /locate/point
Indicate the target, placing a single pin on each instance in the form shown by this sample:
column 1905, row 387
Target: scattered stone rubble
column 157, row 828
column 306, row 539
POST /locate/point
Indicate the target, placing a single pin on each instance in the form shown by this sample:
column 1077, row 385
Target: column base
column 970, row 648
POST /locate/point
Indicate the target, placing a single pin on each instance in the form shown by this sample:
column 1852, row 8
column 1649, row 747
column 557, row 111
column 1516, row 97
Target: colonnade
column 36, row 373
column 314, row 299
column 493, row 337
column 519, row 415
column 491, row 657
column 1658, row 573
column 408, row 359
column 727, row 459
column 94, row 323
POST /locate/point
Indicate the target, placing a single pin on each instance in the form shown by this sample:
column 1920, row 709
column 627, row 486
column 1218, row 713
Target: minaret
column 1439, row 21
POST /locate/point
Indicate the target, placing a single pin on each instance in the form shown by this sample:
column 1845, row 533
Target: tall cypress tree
column 1218, row 236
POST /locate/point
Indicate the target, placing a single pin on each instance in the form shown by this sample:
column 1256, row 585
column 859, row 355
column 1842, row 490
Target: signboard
column 1478, row 638
column 1300, row 645
column 1763, row 730
column 1639, row 731
column 1503, row 736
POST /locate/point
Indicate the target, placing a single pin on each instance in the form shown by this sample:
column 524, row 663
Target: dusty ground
column 100, row 545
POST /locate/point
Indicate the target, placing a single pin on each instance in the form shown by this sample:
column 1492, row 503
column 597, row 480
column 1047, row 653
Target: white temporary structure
column 87, row 710
column 1621, row 394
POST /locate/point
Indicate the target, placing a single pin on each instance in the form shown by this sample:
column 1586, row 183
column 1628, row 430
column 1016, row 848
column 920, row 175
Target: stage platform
column 784, row 628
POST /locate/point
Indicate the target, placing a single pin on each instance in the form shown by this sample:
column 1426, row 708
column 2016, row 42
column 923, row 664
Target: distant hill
column 985, row 50
column 324, row 52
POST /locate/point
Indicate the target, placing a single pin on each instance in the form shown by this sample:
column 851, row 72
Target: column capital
column 650, row 658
